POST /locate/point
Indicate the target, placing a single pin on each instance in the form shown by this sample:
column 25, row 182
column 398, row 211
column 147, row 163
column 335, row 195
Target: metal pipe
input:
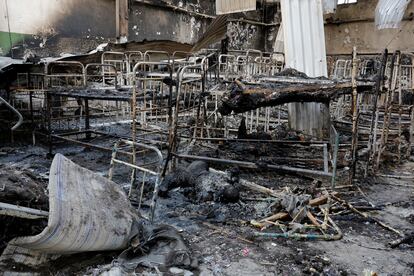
column 85, row 72
column 252, row 165
column 113, row 53
column 134, row 113
column 411, row 135
column 21, row 212
column 20, row 121
column 305, row 143
column 355, row 110
column 157, row 172
column 388, row 105
column 62, row 63
column 335, row 145
column 147, row 54
column 174, row 124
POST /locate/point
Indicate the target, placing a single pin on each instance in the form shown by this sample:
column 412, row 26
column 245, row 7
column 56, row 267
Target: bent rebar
column 20, row 121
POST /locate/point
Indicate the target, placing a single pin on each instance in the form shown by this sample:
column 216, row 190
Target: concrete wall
column 243, row 36
column 50, row 27
column 353, row 24
column 159, row 22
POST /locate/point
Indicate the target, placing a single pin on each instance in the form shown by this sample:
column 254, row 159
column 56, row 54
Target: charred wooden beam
column 122, row 11
column 244, row 97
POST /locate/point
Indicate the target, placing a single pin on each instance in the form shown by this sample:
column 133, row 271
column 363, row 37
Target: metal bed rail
column 143, row 169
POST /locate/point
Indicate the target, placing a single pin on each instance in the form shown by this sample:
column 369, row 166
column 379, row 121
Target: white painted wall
column 31, row 16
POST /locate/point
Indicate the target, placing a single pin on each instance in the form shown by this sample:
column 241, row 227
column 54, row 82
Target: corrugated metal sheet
column 87, row 212
column 279, row 45
column 6, row 61
column 329, row 6
column 389, row 13
column 310, row 118
column 232, row 6
column 305, row 51
column 214, row 33
column 304, row 36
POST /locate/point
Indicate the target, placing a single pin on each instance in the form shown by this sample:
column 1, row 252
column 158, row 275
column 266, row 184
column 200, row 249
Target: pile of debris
column 88, row 213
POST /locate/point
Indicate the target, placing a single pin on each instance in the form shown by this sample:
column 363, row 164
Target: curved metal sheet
column 87, row 212
column 233, row 6
column 389, row 13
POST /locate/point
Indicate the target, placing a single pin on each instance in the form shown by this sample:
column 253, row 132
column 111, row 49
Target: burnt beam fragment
column 244, row 98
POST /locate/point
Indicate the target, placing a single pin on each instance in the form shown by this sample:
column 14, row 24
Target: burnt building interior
column 206, row 137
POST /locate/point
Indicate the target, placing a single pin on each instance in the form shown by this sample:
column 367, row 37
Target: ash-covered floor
column 219, row 233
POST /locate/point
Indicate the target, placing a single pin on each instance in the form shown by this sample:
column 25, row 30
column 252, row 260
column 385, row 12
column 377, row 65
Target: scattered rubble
column 201, row 185
column 165, row 158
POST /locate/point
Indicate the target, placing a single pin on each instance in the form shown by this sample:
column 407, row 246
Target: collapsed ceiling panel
column 329, row 6
column 232, row 6
column 389, row 13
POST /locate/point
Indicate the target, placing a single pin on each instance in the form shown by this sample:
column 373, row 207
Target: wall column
column 122, row 20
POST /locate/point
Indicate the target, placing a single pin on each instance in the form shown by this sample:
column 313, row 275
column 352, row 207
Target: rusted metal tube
column 20, row 121
column 252, row 165
column 374, row 116
column 354, row 144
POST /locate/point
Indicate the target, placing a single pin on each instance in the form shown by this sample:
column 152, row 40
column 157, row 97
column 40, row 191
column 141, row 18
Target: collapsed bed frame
column 166, row 100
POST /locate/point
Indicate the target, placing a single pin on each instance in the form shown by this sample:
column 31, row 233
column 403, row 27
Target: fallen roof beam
column 21, row 212
column 252, row 165
column 250, row 98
